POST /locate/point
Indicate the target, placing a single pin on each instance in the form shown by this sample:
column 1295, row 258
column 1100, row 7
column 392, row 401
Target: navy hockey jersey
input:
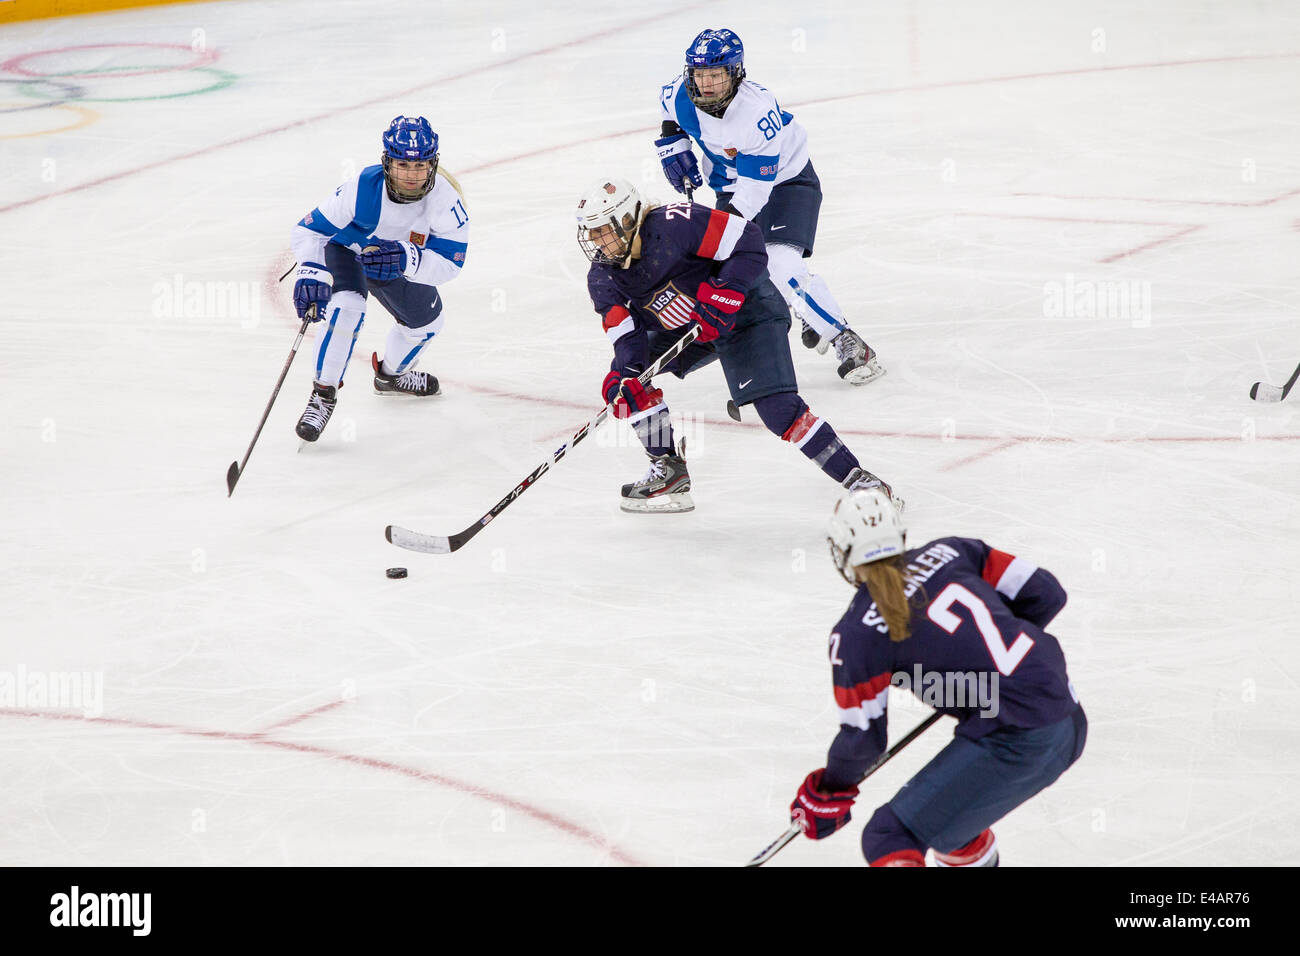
column 680, row 245
column 977, row 651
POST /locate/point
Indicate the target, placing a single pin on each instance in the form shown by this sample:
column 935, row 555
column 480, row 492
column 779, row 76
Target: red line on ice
column 912, row 88
column 1170, row 202
column 1182, row 229
column 566, row 827
column 977, row 456
column 299, row 718
column 322, row 117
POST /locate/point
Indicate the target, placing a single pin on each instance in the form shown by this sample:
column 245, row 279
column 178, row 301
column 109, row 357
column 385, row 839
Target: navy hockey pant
column 413, row 304
column 971, row 784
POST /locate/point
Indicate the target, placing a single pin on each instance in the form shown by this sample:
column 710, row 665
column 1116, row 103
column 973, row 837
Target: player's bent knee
column 886, row 842
column 780, row 412
column 785, row 262
column 421, row 332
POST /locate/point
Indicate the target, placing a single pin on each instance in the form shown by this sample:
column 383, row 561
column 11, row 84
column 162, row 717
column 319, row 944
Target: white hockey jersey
column 752, row 147
column 360, row 212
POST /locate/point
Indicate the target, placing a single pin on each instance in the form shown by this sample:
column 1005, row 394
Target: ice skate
column 811, row 338
column 809, row 335
column 858, row 364
column 859, row 479
column 665, row 488
column 409, row 382
column 319, row 409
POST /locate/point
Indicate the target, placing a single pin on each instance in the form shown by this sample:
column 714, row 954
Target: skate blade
column 864, row 374
column 389, row 394
column 678, row 503
column 823, row 344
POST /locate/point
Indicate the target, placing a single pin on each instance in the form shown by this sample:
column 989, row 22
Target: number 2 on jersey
column 1006, row 659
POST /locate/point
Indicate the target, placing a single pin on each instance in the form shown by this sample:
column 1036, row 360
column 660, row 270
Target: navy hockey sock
column 788, row 415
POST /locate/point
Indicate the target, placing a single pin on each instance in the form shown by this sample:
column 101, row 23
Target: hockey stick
column 437, row 544
column 236, row 469
column 775, row 846
column 1263, row 392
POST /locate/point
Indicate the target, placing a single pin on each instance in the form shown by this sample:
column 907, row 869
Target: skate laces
column 848, row 345
column 318, row 410
column 411, row 379
column 656, row 472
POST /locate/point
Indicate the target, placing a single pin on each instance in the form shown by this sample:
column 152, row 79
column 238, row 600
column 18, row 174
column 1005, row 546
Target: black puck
column 396, row 572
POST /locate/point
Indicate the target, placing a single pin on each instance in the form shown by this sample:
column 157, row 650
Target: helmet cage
column 624, row 230
column 403, row 194
column 411, row 139
column 710, row 50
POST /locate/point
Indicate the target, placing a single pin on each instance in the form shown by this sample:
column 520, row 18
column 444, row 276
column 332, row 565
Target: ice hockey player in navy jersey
column 399, row 230
column 756, row 161
column 961, row 625
column 657, row 270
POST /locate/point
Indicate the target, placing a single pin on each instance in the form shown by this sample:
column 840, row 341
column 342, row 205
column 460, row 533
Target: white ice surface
column 580, row 686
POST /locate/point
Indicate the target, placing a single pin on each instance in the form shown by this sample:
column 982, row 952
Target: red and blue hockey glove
column 821, row 814
column 389, row 260
column 312, row 287
column 628, row 395
column 714, row 306
column 679, row 162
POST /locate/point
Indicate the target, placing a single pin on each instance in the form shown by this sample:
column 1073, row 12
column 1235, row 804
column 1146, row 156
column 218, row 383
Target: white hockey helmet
column 864, row 527
column 609, row 214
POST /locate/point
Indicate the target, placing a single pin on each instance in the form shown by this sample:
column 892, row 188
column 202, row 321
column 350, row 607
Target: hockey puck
column 396, row 572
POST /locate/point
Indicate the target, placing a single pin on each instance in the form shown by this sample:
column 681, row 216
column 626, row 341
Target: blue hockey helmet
column 409, row 139
column 715, row 49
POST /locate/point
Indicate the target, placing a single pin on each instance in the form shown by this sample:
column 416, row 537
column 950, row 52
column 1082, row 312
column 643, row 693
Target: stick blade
column 232, row 476
column 414, row 541
column 1263, row 392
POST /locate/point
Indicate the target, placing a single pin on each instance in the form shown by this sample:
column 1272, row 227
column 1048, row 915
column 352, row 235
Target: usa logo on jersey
column 672, row 307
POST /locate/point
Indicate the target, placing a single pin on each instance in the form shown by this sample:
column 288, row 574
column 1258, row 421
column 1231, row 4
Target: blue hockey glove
column 389, row 260
column 312, row 286
column 679, row 161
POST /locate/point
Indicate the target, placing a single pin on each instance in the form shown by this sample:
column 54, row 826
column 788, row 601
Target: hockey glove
column 821, row 814
column 679, row 161
column 628, row 395
column 389, row 260
column 714, row 306
column 311, row 287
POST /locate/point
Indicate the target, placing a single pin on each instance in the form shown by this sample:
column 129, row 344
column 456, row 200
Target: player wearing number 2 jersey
column 961, row 625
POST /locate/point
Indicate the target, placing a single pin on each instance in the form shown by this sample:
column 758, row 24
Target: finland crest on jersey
column 672, row 307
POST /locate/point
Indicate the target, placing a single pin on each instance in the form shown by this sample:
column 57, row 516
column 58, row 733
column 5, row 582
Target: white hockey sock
column 807, row 295
column 403, row 346
column 344, row 315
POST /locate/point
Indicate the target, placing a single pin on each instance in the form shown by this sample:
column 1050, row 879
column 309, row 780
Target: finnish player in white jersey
column 397, row 230
column 756, row 161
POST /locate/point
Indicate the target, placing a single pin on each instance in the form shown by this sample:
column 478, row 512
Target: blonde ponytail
column 888, row 586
